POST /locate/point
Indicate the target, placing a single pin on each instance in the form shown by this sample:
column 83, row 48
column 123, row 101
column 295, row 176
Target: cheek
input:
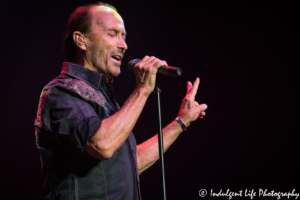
column 101, row 49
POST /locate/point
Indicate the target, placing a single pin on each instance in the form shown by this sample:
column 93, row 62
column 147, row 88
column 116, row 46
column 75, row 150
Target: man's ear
column 79, row 40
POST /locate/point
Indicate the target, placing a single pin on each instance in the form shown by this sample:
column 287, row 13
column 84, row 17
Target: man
column 87, row 148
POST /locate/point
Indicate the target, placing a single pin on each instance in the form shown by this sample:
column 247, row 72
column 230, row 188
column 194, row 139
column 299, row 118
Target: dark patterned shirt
column 70, row 112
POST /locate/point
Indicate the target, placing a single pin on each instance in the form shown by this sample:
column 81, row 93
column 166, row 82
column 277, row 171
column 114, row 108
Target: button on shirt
column 70, row 112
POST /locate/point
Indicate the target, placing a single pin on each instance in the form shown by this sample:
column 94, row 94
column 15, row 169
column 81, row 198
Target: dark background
column 245, row 53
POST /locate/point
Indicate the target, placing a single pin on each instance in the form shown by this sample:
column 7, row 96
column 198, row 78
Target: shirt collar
column 93, row 78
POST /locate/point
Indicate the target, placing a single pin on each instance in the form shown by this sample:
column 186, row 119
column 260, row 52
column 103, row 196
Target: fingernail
column 205, row 106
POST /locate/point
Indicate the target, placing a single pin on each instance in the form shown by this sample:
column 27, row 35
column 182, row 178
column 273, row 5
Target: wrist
column 143, row 91
column 181, row 123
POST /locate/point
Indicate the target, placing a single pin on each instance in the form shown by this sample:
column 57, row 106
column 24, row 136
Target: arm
column 148, row 152
column 115, row 130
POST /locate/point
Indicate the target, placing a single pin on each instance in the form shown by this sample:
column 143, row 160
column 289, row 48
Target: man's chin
column 114, row 74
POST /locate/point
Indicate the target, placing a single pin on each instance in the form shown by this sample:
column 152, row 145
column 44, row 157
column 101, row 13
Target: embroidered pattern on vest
column 86, row 91
column 38, row 120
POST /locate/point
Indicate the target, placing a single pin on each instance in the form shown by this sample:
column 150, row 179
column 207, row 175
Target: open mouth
column 117, row 58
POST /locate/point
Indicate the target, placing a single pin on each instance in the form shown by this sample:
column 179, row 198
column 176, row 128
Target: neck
column 83, row 62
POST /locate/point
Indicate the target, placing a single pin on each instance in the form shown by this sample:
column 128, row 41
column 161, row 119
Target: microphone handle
column 163, row 70
column 170, row 71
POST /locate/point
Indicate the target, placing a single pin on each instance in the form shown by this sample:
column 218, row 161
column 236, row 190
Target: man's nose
column 122, row 45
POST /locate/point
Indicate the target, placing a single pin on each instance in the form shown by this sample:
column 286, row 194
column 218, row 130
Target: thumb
column 203, row 107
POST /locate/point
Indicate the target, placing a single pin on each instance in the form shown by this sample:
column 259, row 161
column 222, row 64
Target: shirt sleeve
column 68, row 120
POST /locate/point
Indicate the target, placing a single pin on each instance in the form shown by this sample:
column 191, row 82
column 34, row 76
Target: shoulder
column 66, row 85
column 65, row 97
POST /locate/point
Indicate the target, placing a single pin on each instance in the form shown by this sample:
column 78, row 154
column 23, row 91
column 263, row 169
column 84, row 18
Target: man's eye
column 112, row 33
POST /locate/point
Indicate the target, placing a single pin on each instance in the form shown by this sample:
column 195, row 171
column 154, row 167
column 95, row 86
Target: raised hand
column 190, row 109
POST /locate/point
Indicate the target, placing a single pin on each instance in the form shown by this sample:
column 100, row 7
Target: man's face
column 106, row 41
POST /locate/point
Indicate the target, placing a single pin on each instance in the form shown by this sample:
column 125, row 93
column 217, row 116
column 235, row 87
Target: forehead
column 105, row 18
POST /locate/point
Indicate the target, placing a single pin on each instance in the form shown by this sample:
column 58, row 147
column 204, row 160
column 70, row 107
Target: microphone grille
column 131, row 64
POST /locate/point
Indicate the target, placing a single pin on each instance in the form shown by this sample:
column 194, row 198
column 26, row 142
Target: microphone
column 163, row 70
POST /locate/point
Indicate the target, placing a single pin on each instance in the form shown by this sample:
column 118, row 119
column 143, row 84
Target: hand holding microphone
column 163, row 70
column 145, row 72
